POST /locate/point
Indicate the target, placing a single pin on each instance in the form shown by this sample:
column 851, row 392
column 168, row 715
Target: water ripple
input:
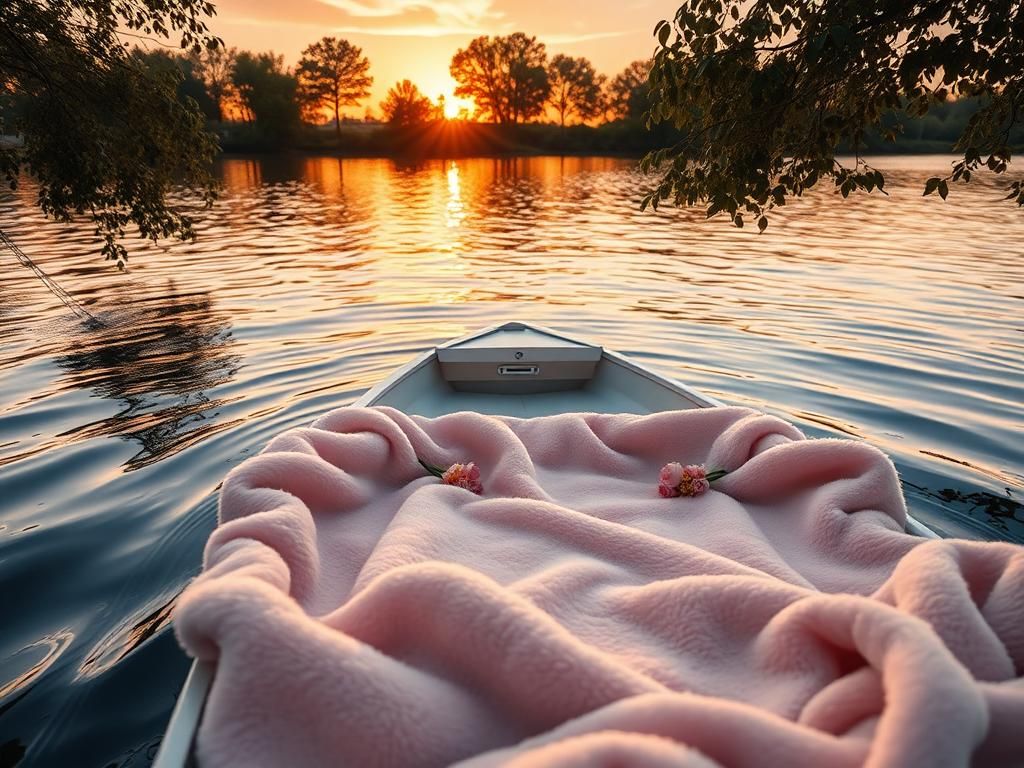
column 891, row 320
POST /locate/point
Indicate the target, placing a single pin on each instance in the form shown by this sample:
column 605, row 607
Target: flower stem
column 717, row 475
column 432, row 470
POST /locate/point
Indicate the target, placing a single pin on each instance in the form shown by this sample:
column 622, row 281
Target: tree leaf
column 663, row 34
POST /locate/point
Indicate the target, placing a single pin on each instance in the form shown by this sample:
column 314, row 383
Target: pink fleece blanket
column 361, row 613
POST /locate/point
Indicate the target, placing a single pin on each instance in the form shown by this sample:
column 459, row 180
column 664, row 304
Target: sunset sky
column 415, row 39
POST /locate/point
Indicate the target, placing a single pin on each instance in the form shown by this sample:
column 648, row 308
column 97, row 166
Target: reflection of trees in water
column 7, row 310
column 158, row 356
column 128, row 636
column 999, row 510
column 512, row 199
column 1002, row 513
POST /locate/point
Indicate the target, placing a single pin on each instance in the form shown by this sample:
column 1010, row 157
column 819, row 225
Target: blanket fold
column 361, row 612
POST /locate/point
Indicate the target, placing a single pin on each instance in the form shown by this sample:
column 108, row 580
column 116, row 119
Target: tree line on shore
column 524, row 101
column 510, row 80
column 255, row 102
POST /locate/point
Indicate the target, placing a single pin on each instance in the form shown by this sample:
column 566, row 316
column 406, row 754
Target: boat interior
column 522, row 371
column 513, row 370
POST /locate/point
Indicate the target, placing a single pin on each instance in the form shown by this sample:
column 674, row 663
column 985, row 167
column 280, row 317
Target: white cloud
column 448, row 16
column 428, row 30
column 564, row 38
column 421, row 18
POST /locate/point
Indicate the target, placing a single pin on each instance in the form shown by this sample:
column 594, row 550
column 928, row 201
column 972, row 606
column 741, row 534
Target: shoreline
column 442, row 138
column 344, row 154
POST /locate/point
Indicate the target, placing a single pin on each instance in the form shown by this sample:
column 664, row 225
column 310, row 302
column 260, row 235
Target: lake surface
column 897, row 320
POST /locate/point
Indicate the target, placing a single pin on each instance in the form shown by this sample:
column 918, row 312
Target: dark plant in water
column 105, row 135
column 766, row 93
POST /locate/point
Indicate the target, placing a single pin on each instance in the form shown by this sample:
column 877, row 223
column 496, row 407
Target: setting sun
column 455, row 107
column 442, row 93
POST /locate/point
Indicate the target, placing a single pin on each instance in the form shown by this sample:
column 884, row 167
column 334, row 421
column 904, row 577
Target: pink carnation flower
column 464, row 476
column 691, row 480
column 668, row 480
column 694, row 482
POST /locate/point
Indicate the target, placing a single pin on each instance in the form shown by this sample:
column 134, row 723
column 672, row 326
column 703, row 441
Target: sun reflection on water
column 454, row 213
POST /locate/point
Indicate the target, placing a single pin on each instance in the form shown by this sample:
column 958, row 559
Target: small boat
column 513, row 369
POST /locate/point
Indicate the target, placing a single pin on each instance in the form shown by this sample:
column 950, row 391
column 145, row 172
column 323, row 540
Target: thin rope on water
column 53, row 286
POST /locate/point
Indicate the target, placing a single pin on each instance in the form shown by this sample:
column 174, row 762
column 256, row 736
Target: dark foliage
column 505, row 75
column 575, row 88
column 333, row 74
column 405, row 105
column 185, row 70
column 766, row 93
column 105, row 136
column 267, row 94
column 627, row 96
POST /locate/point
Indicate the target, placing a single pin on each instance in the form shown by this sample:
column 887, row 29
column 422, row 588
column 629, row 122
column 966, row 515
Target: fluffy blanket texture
column 362, row 613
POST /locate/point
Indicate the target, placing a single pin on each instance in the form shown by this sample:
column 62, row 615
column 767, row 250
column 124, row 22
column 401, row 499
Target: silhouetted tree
column 506, row 76
column 105, row 137
column 333, row 73
column 405, row 105
column 267, row 93
column 183, row 69
column 575, row 88
column 158, row 361
column 214, row 66
column 627, row 93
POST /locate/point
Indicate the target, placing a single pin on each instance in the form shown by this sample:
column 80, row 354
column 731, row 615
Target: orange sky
column 415, row 39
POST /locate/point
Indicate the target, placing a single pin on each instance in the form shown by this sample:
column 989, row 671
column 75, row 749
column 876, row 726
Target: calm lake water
column 897, row 320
